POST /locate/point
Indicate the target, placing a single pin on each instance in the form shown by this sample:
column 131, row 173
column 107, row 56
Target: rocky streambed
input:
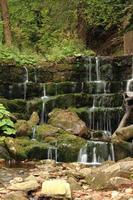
column 46, row 179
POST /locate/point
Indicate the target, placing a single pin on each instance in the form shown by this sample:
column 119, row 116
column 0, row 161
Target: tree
column 6, row 22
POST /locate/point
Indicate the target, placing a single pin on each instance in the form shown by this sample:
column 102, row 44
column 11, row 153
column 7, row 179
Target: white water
column 35, row 75
column 86, row 65
column 74, row 84
column 33, row 133
column 44, row 98
column 94, row 158
column 10, row 90
column 82, row 156
column 52, row 153
column 129, row 92
column 97, row 69
column 90, row 68
column 89, row 153
column 25, row 82
column 103, row 123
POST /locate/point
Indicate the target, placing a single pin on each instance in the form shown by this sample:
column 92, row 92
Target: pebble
column 114, row 194
column 129, row 190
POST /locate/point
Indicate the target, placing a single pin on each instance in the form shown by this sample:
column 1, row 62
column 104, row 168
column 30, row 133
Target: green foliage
column 6, row 125
column 20, row 58
column 49, row 27
column 66, row 48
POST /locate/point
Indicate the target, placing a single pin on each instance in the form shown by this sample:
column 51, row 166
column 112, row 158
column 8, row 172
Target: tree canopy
column 50, row 27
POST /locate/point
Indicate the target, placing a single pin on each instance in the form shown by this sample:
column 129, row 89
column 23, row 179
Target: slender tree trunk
column 81, row 25
column 128, row 116
column 6, row 22
column 128, row 43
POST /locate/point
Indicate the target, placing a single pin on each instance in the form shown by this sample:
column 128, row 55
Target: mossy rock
column 46, row 130
column 68, row 121
column 4, row 154
column 69, row 146
column 23, row 148
column 23, row 128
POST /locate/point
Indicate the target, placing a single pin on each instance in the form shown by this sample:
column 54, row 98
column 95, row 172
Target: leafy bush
column 6, row 124
column 20, row 58
column 67, row 47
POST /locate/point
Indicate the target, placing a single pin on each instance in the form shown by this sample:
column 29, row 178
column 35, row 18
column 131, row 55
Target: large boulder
column 68, row 121
column 101, row 178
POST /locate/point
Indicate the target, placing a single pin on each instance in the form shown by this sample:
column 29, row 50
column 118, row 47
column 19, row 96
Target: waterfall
column 74, row 84
column 90, row 68
column 96, row 152
column 10, row 90
column 52, row 153
column 97, row 69
column 25, row 82
column 129, row 87
column 82, row 156
column 94, row 156
column 43, row 112
column 35, row 75
column 86, row 65
column 56, row 89
column 34, row 133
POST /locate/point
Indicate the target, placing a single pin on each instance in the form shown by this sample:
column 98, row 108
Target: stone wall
column 77, row 83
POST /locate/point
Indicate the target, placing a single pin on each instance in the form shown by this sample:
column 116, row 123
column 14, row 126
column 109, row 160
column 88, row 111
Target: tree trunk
column 81, row 25
column 6, row 22
column 128, row 117
column 128, row 43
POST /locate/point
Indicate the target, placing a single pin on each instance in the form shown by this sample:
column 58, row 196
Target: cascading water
column 56, row 89
column 33, row 133
column 10, row 91
column 97, row 69
column 44, row 98
column 129, row 87
column 52, row 153
column 95, row 152
column 35, row 75
column 83, row 156
column 25, row 82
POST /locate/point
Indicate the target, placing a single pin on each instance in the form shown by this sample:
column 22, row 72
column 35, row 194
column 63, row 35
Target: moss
column 50, row 140
column 69, row 146
column 45, row 130
column 3, row 151
column 17, row 106
column 50, row 89
column 24, row 148
column 81, row 112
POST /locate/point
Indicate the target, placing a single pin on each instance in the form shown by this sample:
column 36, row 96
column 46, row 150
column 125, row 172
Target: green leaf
column 10, row 131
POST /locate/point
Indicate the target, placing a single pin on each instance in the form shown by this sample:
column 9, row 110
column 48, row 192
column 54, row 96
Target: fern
column 6, row 125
